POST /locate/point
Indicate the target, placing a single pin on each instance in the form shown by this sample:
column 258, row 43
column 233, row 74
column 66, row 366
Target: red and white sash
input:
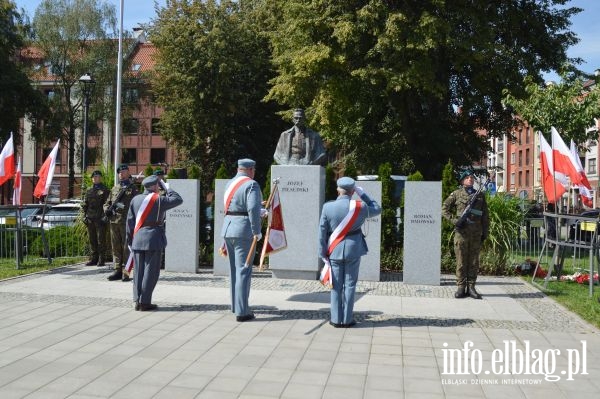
column 336, row 237
column 345, row 225
column 233, row 187
column 140, row 218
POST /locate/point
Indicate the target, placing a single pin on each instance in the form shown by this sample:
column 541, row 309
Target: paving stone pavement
column 70, row 333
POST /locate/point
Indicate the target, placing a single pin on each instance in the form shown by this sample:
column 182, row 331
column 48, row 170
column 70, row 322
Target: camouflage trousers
column 119, row 245
column 467, row 245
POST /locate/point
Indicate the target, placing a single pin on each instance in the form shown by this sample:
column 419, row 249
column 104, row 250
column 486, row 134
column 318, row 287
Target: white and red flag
column 563, row 160
column 554, row 183
column 17, row 186
column 275, row 237
column 584, row 187
column 46, row 173
column 7, row 161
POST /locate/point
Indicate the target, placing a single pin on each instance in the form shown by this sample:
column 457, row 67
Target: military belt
column 230, row 213
column 152, row 224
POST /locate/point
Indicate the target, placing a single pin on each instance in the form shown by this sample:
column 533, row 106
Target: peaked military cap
column 96, row 173
column 346, row 183
column 246, row 163
column 123, row 166
column 150, row 181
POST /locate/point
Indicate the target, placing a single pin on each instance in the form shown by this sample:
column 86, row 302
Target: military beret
column 464, row 174
column 122, row 167
column 150, row 181
column 96, row 173
column 246, row 163
column 159, row 172
column 346, row 183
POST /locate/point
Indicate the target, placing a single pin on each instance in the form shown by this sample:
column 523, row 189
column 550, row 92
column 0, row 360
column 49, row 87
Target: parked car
column 585, row 230
column 8, row 215
column 58, row 215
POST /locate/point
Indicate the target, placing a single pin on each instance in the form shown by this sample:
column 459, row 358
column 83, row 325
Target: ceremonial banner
column 46, row 173
column 7, row 161
column 275, row 237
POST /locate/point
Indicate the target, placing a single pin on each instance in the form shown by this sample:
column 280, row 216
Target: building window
column 136, row 67
column 526, row 178
column 520, row 179
column 129, row 155
column 512, row 179
column 50, row 94
column 92, row 156
column 520, row 158
column 527, row 156
column 155, row 126
column 527, row 135
column 158, row 155
column 539, row 175
column 131, row 96
column 513, row 157
column 592, row 166
column 131, row 126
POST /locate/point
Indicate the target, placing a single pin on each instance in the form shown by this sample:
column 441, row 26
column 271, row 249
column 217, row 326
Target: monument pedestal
column 183, row 228
column 422, row 233
column 220, row 263
column 370, row 264
column 302, row 193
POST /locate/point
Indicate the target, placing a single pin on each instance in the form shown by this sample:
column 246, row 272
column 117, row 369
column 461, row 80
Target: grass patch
column 8, row 267
column 574, row 297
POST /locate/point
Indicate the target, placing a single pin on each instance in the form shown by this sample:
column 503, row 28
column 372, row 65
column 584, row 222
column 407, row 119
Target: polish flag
column 7, row 161
column 584, row 187
column 17, row 186
column 46, row 173
column 564, row 161
column 554, row 182
column 275, row 236
column 326, row 277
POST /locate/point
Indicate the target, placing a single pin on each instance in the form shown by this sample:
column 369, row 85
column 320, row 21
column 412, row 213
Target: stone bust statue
column 300, row 145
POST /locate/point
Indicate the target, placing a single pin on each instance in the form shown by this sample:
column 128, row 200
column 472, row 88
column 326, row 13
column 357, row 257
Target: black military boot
column 92, row 262
column 473, row 292
column 461, row 292
column 117, row 275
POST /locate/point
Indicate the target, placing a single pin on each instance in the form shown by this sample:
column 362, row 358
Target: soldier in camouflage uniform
column 115, row 210
column 93, row 211
column 469, row 237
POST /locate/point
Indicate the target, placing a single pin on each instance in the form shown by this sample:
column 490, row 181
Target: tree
column 569, row 106
column 17, row 96
column 412, row 83
column 211, row 76
column 73, row 37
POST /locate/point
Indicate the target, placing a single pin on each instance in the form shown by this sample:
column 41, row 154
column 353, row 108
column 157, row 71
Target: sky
column 585, row 25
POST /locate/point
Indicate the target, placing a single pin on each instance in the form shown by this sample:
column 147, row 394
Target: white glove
column 164, row 185
column 258, row 236
column 359, row 191
column 264, row 213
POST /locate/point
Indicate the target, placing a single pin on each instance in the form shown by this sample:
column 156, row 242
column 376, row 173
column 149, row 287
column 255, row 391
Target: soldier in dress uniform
column 162, row 190
column 240, row 226
column 342, row 243
column 468, row 237
column 93, row 213
column 115, row 211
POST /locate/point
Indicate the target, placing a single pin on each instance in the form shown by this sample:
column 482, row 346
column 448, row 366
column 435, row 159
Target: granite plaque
column 183, row 228
column 302, row 193
column 422, row 232
column 370, row 264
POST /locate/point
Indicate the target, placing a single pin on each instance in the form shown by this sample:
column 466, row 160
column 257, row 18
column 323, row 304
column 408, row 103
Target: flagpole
column 117, row 159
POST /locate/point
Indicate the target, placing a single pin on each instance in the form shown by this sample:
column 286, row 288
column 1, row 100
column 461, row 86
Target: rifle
column 110, row 211
column 462, row 221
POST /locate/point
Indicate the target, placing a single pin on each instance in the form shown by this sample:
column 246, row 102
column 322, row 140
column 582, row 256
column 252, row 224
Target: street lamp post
column 87, row 85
